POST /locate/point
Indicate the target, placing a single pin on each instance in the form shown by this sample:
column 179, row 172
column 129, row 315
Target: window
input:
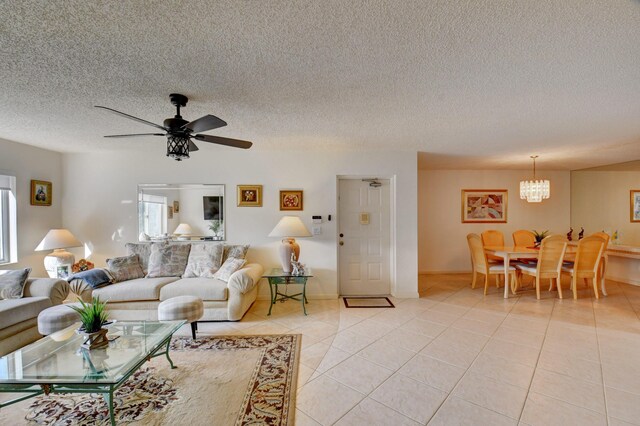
column 8, row 221
column 153, row 209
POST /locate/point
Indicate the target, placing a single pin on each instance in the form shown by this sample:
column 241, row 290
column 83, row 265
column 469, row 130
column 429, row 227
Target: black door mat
column 367, row 302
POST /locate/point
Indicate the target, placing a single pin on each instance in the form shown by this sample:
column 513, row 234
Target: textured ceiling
column 470, row 83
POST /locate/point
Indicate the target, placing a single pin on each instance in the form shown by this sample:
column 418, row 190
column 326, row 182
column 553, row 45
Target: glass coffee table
column 57, row 364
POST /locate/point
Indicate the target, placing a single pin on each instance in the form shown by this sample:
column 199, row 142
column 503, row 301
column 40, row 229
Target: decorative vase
column 95, row 340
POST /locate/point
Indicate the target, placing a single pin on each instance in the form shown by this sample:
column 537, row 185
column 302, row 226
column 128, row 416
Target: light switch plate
column 316, row 230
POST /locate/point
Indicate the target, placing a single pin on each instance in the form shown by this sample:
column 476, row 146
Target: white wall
column 442, row 243
column 106, row 216
column 600, row 201
column 25, row 163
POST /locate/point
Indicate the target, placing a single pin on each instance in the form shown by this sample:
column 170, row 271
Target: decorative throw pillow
column 229, row 266
column 235, row 251
column 125, row 268
column 12, row 283
column 168, row 260
column 204, row 260
column 143, row 250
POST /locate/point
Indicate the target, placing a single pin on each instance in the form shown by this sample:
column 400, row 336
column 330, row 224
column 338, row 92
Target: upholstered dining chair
column 587, row 262
column 549, row 263
column 492, row 237
column 482, row 266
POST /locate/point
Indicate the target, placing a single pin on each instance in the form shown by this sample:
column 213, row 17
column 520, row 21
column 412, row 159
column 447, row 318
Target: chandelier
column 534, row 191
column 177, row 147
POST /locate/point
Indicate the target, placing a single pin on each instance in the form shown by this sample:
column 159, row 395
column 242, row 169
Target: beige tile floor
column 456, row 357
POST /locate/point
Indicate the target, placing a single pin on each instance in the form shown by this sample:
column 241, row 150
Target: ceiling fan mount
column 179, row 131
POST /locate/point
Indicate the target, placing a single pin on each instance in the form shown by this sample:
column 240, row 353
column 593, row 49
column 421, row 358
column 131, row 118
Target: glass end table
column 277, row 277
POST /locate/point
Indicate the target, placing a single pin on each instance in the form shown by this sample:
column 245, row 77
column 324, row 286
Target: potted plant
column 93, row 317
column 215, row 226
column 539, row 236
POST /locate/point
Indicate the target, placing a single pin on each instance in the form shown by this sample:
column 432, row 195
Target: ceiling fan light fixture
column 177, row 147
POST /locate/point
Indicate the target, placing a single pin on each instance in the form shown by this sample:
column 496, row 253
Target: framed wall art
column 484, row 206
column 290, row 200
column 249, row 195
column 635, row 205
column 176, row 206
column 41, row 193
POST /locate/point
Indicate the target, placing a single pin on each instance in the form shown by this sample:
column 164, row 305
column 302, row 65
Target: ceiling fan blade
column 202, row 124
column 135, row 134
column 236, row 143
column 131, row 117
column 193, row 147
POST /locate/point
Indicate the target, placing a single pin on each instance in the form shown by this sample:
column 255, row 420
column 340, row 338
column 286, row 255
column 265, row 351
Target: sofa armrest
column 53, row 288
column 246, row 278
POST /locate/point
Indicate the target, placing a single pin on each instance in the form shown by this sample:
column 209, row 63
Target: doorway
column 364, row 236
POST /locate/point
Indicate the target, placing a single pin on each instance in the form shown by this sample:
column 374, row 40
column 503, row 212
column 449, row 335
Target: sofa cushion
column 143, row 250
column 168, row 260
column 204, row 260
column 228, row 268
column 12, row 283
column 125, row 268
column 14, row 311
column 237, row 251
column 133, row 290
column 207, row 289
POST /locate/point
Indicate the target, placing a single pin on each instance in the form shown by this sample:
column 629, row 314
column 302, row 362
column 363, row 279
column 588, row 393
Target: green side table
column 277, row 276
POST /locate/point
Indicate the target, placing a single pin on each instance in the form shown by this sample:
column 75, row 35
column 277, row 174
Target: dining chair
column 604, row 259
column 492, row 237
column 524, row 238
column 481, row 264
column 587, row 262
column 549, row 263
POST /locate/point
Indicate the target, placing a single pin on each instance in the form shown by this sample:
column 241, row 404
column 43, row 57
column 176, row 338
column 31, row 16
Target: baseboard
column 625, row 280
column 309, row 296
column 443, row 272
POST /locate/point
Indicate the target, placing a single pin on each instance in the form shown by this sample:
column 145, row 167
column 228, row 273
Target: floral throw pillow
column 143, row 250
column 235, row 251
column 204, row 260
column 12, row 283
column 229, row 266
column 125, row 268
column 168, row 260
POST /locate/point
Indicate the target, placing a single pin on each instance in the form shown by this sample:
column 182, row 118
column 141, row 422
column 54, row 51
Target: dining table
column 510, row 253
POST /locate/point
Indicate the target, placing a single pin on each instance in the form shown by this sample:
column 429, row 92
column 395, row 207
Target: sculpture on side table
column 570, row 235
column 581, row 234
column 297, row 268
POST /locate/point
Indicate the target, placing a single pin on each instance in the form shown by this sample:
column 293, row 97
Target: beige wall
column 442, row 244
column 600, row 201
column 25, row 163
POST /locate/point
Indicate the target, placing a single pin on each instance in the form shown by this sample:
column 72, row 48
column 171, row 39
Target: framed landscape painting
column 635, row 205
column 484, row 206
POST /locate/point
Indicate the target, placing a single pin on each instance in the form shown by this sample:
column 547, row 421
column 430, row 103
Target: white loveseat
column 138, row 299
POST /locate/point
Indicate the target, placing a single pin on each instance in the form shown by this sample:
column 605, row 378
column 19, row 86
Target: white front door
column 364, row 237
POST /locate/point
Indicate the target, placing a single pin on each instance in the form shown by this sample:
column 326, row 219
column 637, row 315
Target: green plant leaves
column 92, row 315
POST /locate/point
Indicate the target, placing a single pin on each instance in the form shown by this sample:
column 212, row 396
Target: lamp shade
column 183, row 229
column 290, row 227
column 58, row 239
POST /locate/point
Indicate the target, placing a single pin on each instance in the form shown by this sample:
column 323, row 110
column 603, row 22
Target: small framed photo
column 41, row 193
column 176, row 206
column 484, row 205
column 249, row 195
column 63, row 271
column 169, row 212
column 635, row 205
column 291, row 200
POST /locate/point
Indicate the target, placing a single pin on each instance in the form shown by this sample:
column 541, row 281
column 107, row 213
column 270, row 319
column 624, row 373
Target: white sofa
column 19, row 317
column 138, row 299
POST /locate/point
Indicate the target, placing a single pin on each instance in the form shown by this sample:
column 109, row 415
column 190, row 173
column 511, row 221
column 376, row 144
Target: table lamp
column 288, row 228
column 58, row 240
column 183, row 231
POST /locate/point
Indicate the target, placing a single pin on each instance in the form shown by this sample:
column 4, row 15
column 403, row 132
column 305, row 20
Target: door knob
column 341, row 243
column 341, row 235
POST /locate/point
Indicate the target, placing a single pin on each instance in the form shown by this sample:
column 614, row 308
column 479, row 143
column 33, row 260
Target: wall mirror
column 606, row 198
column 181, row 212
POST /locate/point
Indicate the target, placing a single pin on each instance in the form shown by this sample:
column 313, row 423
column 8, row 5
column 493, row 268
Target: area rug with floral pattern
column 221, row 380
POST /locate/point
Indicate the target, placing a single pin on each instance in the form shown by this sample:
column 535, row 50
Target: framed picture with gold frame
column 635, row 205
column 249, row 195
column 484, row 205
column 41, row 193
column 291, row 200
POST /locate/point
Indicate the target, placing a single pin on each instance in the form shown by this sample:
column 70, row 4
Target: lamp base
column 59, row 257
column 288, row 247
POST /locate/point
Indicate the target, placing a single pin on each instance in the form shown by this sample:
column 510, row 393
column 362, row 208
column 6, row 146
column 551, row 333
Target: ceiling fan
column 179, row 132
